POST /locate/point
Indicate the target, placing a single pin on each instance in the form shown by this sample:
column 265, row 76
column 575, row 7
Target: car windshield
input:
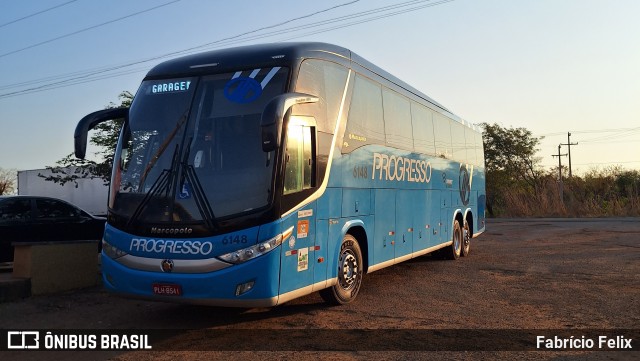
column 191, row 149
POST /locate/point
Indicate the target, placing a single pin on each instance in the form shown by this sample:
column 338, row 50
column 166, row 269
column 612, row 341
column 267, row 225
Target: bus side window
column 397, row 118
column 422, row 122
column 470, row 145
column 365, row 123
column 299, row 159
column 442, row 130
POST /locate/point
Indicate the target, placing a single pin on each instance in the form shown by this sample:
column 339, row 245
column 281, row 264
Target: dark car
column 43, row 219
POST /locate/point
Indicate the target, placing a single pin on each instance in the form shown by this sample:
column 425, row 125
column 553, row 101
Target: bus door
column 298, row 251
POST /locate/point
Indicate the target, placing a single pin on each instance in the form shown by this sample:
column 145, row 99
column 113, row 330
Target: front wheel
column 350, row 272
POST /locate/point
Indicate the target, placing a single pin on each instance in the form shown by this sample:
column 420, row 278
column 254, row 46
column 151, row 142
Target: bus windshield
column 191, row 149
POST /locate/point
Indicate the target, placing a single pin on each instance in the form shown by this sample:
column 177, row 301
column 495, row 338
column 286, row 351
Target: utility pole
column 569, row 144
column 560, row 171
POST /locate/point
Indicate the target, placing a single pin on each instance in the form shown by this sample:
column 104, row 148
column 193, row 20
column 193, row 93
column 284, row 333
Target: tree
column 7, row 181
column 105, row 136
column 510, row 161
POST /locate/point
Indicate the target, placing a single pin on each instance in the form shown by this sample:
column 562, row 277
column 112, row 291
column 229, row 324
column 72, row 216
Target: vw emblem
column 167, row 265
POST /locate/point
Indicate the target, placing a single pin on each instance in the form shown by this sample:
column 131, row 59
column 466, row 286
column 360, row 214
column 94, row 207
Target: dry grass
column 605, row 193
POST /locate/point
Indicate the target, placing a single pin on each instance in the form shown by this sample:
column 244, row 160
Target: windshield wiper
column 163, row 147
column 204, row 207
column 166, row 182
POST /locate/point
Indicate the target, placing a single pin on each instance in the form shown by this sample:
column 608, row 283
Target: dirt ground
column 522, row 275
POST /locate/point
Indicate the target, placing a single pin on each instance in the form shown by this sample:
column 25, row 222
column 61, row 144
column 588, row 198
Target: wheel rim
column 349, row 274
column 456, row 242
column 466, row 237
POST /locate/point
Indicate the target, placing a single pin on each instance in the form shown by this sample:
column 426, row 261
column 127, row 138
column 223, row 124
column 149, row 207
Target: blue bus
column 254, row 175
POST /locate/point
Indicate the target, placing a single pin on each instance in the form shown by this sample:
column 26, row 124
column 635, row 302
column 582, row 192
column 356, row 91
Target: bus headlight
column 112, row 251
column 249, row 253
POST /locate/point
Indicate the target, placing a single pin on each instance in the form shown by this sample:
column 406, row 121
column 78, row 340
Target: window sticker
column 303, row 229
column 305, row 213
column 246, row 89
column 185, row 192
column 303, row 259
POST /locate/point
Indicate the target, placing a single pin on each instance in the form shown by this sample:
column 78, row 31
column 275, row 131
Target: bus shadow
column 197, row 317
column 202, row 327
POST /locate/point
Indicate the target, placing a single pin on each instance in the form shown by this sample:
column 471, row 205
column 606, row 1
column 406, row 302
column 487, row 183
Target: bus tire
column 350, row 272
column 453, row 251
column 466, row 239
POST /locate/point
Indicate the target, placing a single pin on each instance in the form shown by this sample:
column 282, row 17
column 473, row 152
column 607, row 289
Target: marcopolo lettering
column 400, row 169
column 171, row 87
column 171, row 246
column 185, row 230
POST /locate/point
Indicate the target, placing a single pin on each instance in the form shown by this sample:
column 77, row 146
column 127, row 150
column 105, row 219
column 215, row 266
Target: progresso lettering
column 171, row 246
column 171, row 87
column 400, row 169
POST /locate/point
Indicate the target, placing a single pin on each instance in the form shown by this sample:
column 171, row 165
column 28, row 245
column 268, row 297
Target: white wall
column 91, row 194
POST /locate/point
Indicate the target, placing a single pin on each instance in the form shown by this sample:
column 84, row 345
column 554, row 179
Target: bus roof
column 230, row 59
column 277, row 54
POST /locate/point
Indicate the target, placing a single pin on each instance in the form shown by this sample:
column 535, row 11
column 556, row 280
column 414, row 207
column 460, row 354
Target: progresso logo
column 171, row 247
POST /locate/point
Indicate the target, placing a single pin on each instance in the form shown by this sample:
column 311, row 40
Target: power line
column 87, row 29
column 85, row 76
column 616, row 142
column 358, row 15
column 91, row 75
column 82, row 74
column 588, row 131
column 612, row 163
column 307, row 26
column 617, row 135
column 36, row 13
column 274, row 25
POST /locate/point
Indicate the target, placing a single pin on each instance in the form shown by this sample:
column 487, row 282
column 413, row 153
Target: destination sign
column 177, row 86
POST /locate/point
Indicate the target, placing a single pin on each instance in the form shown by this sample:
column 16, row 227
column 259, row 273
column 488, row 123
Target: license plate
column 167, row 290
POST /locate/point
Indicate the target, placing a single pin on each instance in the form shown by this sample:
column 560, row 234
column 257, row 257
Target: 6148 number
column 234, row 239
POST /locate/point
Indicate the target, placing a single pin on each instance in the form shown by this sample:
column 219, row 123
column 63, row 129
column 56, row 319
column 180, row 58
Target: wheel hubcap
column 349, row 273
column 466, row 237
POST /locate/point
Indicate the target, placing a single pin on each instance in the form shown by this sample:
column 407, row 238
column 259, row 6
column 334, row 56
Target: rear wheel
column 350, row 272
column 454, row 250
column 466, row 239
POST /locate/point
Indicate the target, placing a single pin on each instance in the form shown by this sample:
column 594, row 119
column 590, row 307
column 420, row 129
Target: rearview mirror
column 273, row 117
column 89, row 122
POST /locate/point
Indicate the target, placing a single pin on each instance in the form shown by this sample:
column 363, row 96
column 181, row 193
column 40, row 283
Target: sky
column 550, row 66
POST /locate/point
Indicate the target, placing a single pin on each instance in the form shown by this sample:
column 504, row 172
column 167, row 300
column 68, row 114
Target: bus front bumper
column 226, row 287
